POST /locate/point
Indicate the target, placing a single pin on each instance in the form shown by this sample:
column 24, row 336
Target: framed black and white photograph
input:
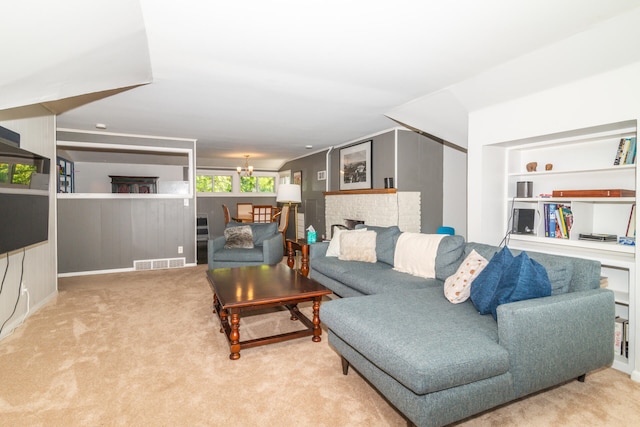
column 355, row 166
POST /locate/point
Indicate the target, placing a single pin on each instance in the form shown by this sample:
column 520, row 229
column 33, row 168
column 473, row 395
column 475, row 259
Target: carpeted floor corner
column 144, row 348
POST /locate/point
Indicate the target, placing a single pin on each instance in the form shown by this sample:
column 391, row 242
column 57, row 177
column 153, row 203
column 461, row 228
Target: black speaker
column 523, row 221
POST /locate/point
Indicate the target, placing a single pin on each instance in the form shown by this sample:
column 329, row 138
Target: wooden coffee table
column 250, row 288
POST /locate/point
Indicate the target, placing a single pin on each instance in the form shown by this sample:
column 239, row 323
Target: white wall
column 40, row 260
column 606, row 98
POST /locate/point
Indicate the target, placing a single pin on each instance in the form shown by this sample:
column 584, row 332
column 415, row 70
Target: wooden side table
column 303, row 247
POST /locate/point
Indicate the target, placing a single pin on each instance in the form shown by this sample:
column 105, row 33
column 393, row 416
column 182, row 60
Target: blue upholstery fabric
column 485, row 286
column 386, row 239
column 269, row 250
column 567, row 274
column 260, row 230
column 522, row 279
column 439, row 362
column 450, row 255
column 423, row 354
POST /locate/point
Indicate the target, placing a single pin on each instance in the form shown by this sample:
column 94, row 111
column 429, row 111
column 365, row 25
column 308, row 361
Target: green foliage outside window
column 266, row 184
column 247, row 184
column 204, row 184
column 16, row 174
column 222, row 184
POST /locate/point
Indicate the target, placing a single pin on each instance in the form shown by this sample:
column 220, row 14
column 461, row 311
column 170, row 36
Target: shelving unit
column 582, row 160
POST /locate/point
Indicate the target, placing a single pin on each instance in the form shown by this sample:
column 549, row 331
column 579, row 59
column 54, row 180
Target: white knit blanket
column 416, row 254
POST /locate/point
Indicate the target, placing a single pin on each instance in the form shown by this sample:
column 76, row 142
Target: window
column 225, row 182
column 258, row 184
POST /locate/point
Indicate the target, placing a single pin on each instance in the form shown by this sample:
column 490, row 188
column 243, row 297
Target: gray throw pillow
column 238, row 237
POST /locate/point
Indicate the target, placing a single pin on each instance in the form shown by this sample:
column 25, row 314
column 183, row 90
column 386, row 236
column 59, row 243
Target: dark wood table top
column 261, row 285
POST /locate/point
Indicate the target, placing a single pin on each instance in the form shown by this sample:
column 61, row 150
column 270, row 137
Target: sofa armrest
column 272, row 249
column 555, row 339
column 214, row 245
column 318, row 250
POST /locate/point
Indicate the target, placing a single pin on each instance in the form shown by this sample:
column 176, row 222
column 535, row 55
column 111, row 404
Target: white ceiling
column 267, row 78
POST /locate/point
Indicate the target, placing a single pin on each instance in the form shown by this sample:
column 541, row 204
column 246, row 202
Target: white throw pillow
column 457, row 287
column 334, row 244
column 358, row 246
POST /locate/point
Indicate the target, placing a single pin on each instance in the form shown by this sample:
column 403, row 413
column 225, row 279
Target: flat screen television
column 24, row 194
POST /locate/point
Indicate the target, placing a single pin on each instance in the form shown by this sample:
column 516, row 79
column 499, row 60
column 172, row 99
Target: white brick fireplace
column 374, row 207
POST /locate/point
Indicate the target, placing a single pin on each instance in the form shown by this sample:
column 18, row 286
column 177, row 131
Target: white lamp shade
column 289, row 193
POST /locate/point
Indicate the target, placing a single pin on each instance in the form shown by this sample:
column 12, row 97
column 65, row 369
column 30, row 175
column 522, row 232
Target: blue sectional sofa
column 439, row 362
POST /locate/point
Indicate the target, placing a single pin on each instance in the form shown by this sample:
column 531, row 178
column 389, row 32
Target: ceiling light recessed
column 308, row 147
column 101, row 126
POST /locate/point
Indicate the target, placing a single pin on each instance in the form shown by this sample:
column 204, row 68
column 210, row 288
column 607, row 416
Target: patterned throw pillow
column 238, row 237
column 457, row 287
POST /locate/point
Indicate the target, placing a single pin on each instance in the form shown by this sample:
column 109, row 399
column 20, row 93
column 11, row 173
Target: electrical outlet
column 180, row 249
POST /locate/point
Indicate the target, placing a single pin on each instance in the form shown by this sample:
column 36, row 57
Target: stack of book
column 558, row 220
column 626, row 153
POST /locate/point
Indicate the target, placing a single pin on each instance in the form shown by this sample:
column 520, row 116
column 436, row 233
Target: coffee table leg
column 290, row 255
column 235, row 336
column 317, row 330
column 304, row 269
column 223, row 319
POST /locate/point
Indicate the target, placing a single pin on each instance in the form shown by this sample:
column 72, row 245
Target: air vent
column 158, row 264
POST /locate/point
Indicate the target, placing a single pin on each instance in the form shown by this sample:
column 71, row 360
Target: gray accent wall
column 420, row 168
column 105, row 234
column 312, row 191
column 419, row 164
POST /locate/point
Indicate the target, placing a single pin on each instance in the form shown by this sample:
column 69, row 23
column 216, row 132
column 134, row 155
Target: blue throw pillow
column 484, row 287
column 523, row 279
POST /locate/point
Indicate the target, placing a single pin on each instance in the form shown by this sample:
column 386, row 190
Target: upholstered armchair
column 246, row 244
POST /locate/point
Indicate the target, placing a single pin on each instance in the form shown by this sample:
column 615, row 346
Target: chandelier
column 248, row 170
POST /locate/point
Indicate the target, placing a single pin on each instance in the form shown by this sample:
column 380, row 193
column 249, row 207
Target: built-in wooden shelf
column 363, row 191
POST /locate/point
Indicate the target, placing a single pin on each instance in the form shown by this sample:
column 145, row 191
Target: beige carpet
column 141, row 349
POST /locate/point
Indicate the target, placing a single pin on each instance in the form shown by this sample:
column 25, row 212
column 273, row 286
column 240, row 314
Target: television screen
column 24, row 194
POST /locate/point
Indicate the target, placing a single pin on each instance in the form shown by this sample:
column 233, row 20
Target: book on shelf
column 631, row 225
column 550, row 219
column 598, row 237
column 558, row 220
column 621, row 337
column 630, row 158
column 626, row 152
column 617, row 192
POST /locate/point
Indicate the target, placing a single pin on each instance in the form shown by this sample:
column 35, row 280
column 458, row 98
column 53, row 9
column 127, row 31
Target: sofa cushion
column 450, row 254
column 386, row 239
column 483, row 288
column 239, row 255
column 380, row 278
column 358, row 246
column 406, row 335
column 334, row 244
column 238, row 237
column 523, row 279
column 457, row 287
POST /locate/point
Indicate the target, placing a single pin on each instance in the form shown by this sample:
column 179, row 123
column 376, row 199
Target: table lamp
column 291, row 194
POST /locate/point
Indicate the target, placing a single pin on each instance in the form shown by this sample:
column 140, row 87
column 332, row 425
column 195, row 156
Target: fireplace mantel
column 363, row 191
